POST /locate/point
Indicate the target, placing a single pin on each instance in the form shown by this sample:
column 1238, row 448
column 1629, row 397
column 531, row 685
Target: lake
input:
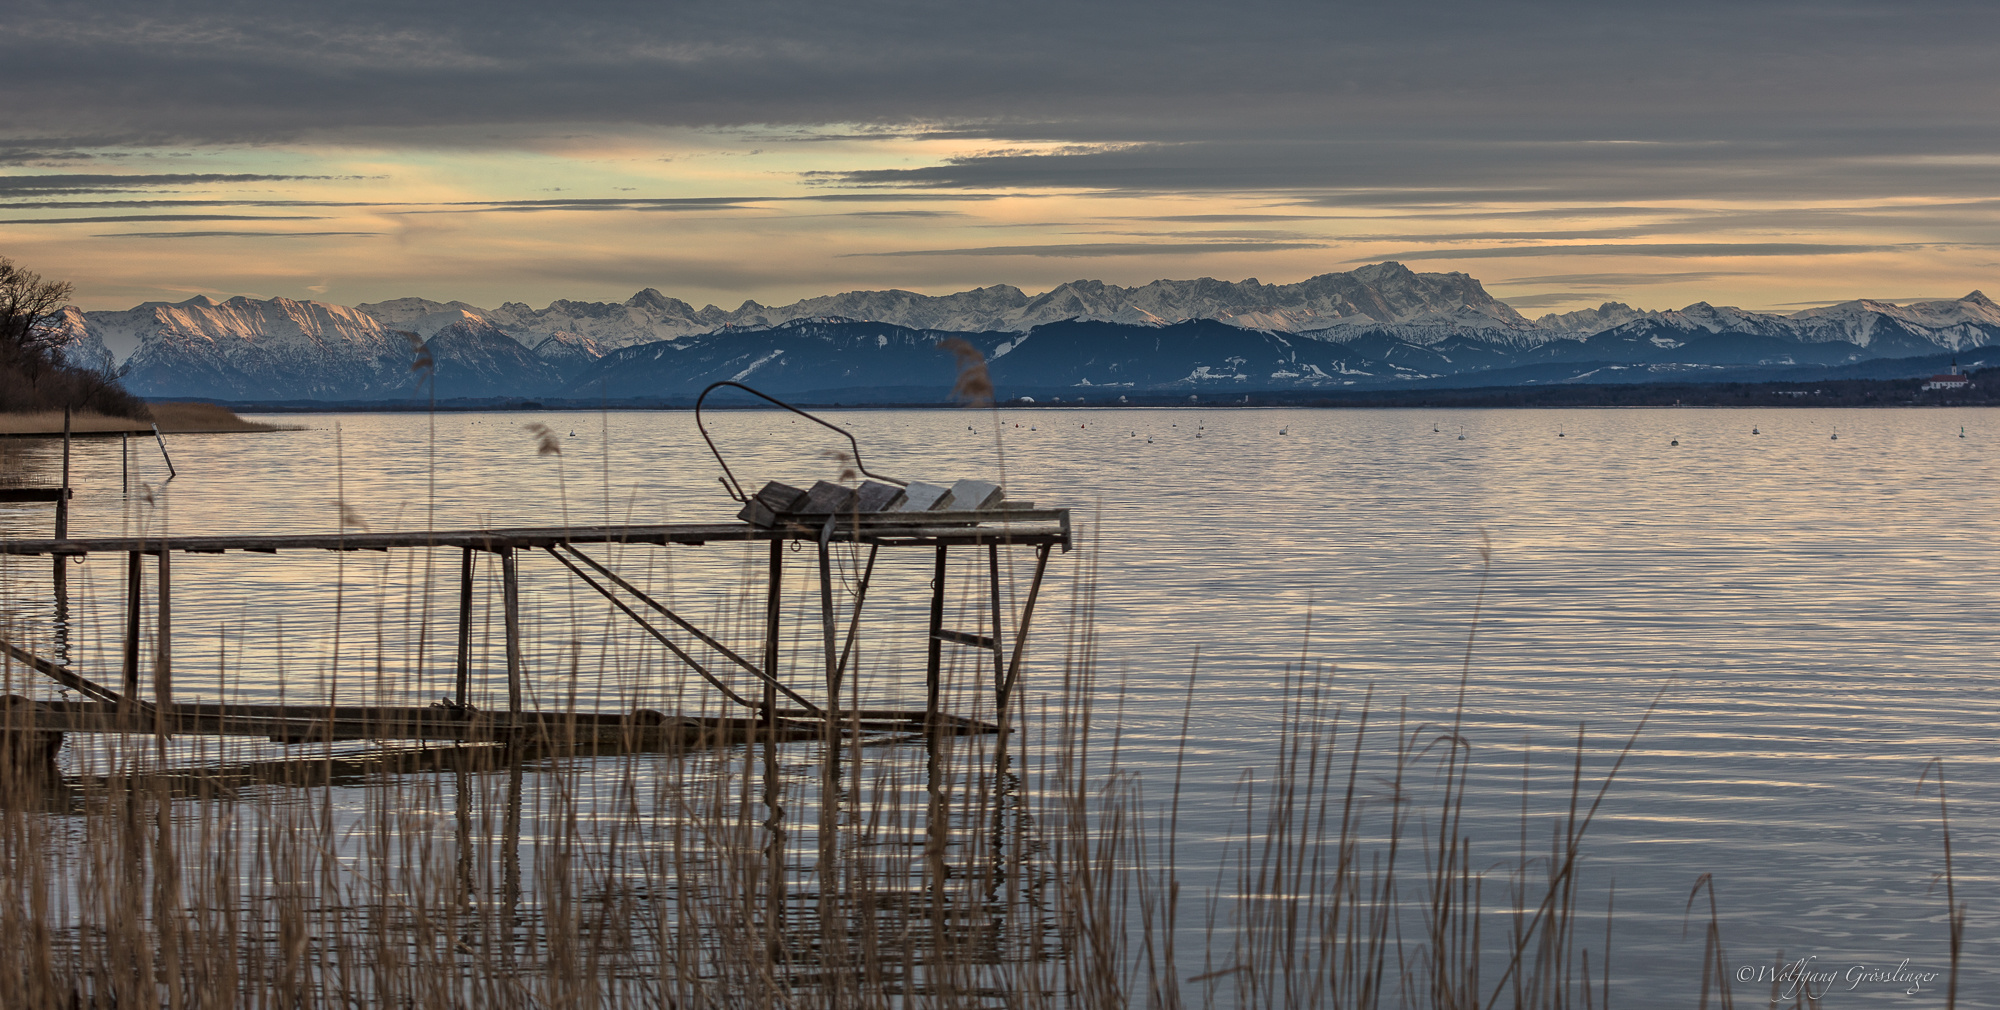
column 1814, row 589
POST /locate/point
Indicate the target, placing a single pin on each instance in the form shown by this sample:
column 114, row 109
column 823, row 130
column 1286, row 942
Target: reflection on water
column 1826, row 609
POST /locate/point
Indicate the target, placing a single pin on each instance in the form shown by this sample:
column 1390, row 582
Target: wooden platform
column 17, row 494
column 644, row 729
column 1030, row 527
column 890, row 518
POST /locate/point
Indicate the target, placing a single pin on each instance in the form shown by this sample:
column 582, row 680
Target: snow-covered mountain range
column 1380, row 323
column 1372, row 295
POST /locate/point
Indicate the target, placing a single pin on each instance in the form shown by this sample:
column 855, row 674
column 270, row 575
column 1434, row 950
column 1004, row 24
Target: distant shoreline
column 1829, row 393
column 173, row 418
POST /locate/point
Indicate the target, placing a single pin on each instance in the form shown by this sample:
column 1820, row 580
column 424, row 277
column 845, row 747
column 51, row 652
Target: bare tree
column 34, row 374
column 30, row 309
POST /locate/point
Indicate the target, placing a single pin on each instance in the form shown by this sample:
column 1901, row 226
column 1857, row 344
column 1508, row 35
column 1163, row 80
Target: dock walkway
column 123, row 709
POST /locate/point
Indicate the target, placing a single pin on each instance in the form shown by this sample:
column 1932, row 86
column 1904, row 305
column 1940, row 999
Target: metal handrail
column 728, row 478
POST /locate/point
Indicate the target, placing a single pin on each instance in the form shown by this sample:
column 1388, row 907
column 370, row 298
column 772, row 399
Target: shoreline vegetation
column 173, row 419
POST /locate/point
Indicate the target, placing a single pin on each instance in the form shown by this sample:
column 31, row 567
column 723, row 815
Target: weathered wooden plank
column 921, row 497
column 59, row 673
column 763, row 507
column 827, row 497
column 962, row 638
column 297, row 723
column 685, row 534
column 875, row 496
column 33, row 494
column 975, row 495
column 999, row 516
column 485, row 540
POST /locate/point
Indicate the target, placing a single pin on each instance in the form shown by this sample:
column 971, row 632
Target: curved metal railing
column 728, row 478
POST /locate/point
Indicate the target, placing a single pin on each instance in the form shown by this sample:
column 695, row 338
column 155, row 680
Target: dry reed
column 1025, row 871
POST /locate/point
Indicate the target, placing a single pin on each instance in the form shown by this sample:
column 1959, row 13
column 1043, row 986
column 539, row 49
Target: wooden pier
column 880, row 512
column 127, row 704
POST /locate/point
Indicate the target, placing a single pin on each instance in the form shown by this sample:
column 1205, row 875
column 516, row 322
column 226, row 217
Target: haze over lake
column 1825, row 609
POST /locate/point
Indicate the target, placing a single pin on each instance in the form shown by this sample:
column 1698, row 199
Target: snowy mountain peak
column 1587, row 321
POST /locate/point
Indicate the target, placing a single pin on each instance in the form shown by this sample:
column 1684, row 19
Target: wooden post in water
column 62, row 503
column 134, row 575
column 854, row 624
column 993, row 587
column 464, row 626
column 1021, row 633
column 125, row 462
column 510, row 605
column 162, row 439
column 933, row 669
column 826, row 621
column 163, row 653
column 60, row 573
column 773, row 599
column 774, row 831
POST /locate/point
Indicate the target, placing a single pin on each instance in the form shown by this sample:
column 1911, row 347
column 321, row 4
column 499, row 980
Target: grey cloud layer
column 1145, row 72
column 1332, row 109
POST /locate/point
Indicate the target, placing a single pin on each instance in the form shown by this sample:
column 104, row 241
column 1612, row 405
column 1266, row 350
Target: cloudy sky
column 1769, row 155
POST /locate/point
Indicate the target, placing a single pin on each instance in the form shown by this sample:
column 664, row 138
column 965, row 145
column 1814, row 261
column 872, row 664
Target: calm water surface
column 1826, row 610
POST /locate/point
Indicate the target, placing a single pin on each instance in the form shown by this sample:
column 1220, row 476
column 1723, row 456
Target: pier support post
column 826, row 621
column 854, row 625
column 773, row 599
column 60, row 574
column 62, row 503
column 1021, row 634
column 163, row 650
column 934, row 660
column 510, row 604
column 134, row 577
column 464, row 626
column 993, row 593
column 774, row 815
